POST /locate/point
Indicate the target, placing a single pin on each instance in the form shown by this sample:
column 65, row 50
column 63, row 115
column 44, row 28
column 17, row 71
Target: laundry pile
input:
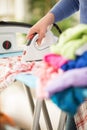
column 63, row 75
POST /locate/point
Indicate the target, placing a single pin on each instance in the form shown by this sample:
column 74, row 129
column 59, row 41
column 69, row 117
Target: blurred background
column 30, row 11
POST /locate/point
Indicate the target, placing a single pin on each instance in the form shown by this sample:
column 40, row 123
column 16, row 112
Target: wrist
column 48, row 19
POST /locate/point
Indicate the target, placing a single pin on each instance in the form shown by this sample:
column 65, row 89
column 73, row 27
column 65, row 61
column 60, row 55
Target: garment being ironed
column 65, row 8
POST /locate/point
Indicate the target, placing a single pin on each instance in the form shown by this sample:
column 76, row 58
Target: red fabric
column 81, row 117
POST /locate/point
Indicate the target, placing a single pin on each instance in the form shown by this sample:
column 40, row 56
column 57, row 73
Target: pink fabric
column 55, row 60
column 10, row 67
column 45, row 73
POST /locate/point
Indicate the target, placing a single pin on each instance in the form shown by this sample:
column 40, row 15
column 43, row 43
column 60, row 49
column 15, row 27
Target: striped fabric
column 81, row 117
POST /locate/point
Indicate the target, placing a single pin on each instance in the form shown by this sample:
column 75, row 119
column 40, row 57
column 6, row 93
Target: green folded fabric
column 73, row 33
column 70, row 42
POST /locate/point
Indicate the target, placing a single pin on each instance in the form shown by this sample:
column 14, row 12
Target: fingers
column 39, row 30
column 41, row 36
column 31, row 32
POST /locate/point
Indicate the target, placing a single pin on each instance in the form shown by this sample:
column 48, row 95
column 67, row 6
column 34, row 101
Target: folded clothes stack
column 63, row 76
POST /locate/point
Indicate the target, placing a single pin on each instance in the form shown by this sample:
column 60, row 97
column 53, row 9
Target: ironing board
column 28, row 82
column 8, row 27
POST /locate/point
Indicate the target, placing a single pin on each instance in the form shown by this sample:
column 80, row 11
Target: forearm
column 48, row 19
column 64, row 8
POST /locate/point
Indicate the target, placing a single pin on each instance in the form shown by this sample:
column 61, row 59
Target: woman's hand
column 41, row 27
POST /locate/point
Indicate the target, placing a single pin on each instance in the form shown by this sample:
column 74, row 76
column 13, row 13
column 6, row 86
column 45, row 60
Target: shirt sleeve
column 64, row 8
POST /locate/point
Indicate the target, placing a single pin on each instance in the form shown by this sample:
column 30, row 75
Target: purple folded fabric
column 74, row 77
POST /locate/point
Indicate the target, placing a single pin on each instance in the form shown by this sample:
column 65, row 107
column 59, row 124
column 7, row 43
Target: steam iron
column 35, row 52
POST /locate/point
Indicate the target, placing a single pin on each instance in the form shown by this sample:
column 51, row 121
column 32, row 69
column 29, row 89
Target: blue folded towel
column 70, row 99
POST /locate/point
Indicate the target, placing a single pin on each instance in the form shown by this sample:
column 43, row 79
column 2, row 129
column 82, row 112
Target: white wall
column 13, row 10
